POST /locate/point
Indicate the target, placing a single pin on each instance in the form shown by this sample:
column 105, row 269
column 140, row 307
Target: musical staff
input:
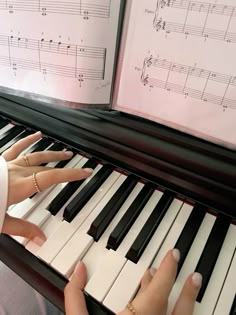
column 84, row 8
column 208, row 20
column 202, row 84
column 56, row 58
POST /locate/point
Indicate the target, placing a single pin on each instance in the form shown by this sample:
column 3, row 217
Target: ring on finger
column 132, row 310
column 35, row 183
column 26, row 160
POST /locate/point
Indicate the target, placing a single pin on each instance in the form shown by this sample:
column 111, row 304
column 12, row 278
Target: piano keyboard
column 119, row 226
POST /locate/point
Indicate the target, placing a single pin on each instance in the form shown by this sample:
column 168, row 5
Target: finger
column 188, row 295
column 146, row 280
column 51, row 177
column 38, row 158
column 13, row 152
column 74, row 298
column 19, row 227
column 164, row 278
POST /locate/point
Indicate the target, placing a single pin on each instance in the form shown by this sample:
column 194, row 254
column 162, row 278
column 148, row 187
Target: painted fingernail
column 176, row 254
column 153, row 271
column 89, row 170
column 37, row 240
column 197, row 279
column 68, row 153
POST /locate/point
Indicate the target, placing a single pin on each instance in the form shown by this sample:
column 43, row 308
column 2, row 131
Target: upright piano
column 169, row 189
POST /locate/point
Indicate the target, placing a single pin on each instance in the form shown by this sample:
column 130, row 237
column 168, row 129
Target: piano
column 156, row 188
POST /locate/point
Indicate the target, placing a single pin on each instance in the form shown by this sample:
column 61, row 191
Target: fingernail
column 176, row 254
column 77, row 266
column 153, row 271
column 68, row 153
column 197, row 279
column 38, row 133
column 89, row 170
column 37, row 240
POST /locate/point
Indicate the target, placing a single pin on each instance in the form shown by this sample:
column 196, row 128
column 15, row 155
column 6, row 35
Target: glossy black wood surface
column 195, row 169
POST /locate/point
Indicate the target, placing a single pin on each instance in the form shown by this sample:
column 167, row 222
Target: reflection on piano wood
column 208, row 20
column 81, row 62
column 120, row 222
column 168, row 75
column 84, row 8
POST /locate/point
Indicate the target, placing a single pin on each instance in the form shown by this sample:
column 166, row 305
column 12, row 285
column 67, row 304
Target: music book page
column 59, row 49
column 179, row 66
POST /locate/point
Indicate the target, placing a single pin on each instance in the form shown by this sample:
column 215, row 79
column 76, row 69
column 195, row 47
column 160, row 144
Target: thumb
column 19, row 227
column 74, row 297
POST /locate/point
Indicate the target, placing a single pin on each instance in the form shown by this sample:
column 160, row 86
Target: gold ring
column 35, row 183
column 26, row 160
column 132, row 309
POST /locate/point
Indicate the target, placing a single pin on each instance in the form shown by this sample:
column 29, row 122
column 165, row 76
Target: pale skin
column 156, row 285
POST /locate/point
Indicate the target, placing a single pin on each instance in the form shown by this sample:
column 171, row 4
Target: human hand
column 156, row 286
column 21, row 184
column 152, row 298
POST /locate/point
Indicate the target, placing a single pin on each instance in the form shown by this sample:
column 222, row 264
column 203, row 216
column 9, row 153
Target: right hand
column 152, row 298
column 156, row 286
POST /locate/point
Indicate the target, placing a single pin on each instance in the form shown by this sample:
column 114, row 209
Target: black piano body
column 192, row 168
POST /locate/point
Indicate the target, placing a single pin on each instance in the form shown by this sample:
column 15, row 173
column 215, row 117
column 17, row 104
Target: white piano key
column 98, row 249
column 27, row 150
column 77, row 246
column 192, row 258
column 37, row 217
column 128, row 281
column 48, row 227
column 218, row 276
column 227, row 295
column 6, row 146
column 51, row 164
column 174, row 234
column 24, row 208
column 65, row 230
column 104, row 277
column 53, row 221
column 6, row 128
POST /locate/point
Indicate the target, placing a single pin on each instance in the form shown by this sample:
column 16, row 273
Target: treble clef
column 148, row 61
column 144, row 79
column 159, row 24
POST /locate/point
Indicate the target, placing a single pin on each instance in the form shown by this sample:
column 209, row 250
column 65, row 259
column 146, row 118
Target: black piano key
column 124, row 225
column 189, row 232
column 149, row 228
column 3, row 123
column 210, row 253
column 73, row 208
column 10, row 134
column 63, row 163
column 233, row 308
column 58, row 202
column 41, row 145
column 14, row 140
column 86, row 193
column 104, row 218
column 54, row 147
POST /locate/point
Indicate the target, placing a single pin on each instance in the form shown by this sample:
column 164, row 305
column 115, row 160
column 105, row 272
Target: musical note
column 82, row 7
column 203, row 12
column 151, row 77
column 82, row 55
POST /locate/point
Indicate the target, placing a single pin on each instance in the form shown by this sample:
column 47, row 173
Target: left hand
column 21, row 185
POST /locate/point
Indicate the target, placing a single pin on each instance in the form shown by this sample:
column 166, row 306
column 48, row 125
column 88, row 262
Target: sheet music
column 179, row 66
column 60, row 49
